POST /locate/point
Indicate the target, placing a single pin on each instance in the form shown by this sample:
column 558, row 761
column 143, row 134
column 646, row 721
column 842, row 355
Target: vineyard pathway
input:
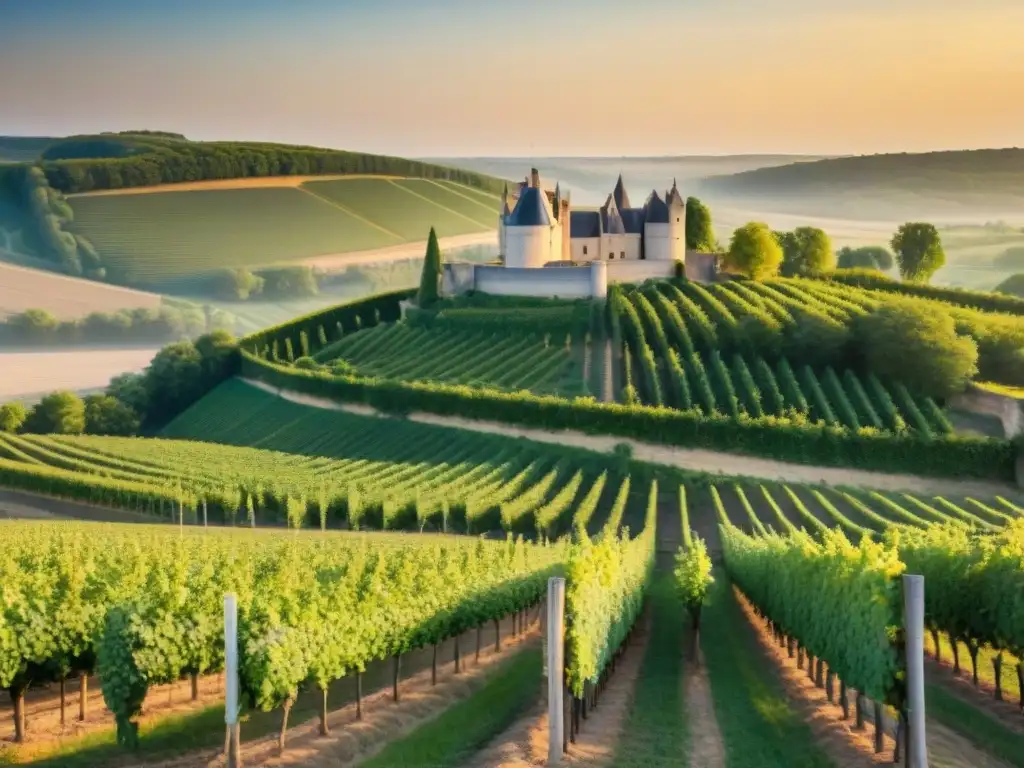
column 693, row 459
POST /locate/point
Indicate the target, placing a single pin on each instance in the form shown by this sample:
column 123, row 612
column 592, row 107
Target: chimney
column 535, row 178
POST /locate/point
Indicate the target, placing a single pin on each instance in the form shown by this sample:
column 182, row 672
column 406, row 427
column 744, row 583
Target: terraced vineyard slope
column 146, row 238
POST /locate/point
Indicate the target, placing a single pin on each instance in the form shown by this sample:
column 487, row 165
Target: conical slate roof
column 611, row 219
column 657, row 211
column 530, row 210
column 673, row 197
column 621, row 198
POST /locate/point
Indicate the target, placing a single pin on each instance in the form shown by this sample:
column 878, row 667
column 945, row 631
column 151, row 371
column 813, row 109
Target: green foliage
column 12, row 416
column 969, row 577
column 61, row 412
column 773, row 437
column 107, row 415
column 919, row 252
column 840, row 601
column 700, row 236
column 904, row 341
column 866, row 257
column 807, row 252
column 86, row 163
column 605, row 584
column 754, row 251
column 982, row 300
column 51, row 218
column 692, row 575
column 430, row 279
column 237, row 284
column 36, row 327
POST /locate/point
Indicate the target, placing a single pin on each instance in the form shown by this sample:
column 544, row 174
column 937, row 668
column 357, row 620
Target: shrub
column 905, row 341
column 12, row 416
column 60, row 412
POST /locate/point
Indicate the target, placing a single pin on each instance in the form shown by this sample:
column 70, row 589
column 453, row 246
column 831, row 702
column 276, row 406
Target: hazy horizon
column 538, row 78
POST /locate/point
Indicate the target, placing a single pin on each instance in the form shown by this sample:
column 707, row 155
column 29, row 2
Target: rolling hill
column 940, row 184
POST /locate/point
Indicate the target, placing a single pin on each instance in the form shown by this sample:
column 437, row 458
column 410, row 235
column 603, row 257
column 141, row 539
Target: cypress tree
column 431, row 276
column 699, row 233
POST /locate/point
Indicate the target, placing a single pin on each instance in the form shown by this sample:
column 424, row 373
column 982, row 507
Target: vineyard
column 737, row 349
column 146, row 238
column 357, row 473
column 503, row 361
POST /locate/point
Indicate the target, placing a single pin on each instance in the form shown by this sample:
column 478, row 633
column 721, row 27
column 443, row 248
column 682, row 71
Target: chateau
column 548, row 249
column 537, row 227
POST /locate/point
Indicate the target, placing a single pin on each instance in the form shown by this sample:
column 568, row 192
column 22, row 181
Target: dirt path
column 525, row 743
column 695, row 459
column 402, row 252
column 847, row 746
column 707, row 748
column 960, row 685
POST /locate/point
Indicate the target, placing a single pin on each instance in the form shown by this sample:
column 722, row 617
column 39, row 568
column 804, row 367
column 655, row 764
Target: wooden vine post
column 913, row 623
column 232, row 742
column 555, row 657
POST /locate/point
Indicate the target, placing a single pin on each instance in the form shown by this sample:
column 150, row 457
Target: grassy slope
column 656, row 732
column 759, row 727
column 149, row 237
column 466, row 726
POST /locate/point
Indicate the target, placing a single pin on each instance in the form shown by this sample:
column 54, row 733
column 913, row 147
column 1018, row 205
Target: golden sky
column 647, row 77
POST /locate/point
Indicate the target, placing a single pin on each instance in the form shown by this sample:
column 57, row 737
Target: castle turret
column 676, row 224
column 656, row 229
column 528, row 231
column 564, row 216
column 621, row 198
column 503, row 215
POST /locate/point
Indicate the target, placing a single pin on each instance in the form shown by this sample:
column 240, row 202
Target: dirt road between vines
column 694, row 459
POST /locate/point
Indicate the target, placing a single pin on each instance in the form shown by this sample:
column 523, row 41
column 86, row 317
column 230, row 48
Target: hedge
column 770, row 437
column 335, row 322
column 983, row 300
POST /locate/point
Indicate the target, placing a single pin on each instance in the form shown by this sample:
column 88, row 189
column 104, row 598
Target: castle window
column 584, row 250
column 611, row 254
column 622, row 255
column 677, row 219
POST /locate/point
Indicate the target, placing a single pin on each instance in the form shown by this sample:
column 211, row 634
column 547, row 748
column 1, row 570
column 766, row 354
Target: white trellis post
column 913, row 624
column 231, row 706
column 556, row 668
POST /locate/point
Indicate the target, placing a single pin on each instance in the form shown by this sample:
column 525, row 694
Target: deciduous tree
column 868, row 257
column 106, row 415
column 806, row 252
column 919, row 251
column 12, row 416
column 754, row 251
column 59, row 412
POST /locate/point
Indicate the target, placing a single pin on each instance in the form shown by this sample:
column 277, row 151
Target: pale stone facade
column 541, row 228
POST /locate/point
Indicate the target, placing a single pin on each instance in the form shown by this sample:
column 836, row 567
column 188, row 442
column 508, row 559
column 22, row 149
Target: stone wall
column 1007, row 409
column 638, row 271
column 552, row 282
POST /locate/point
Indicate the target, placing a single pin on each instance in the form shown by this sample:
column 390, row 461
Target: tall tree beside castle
column 430, row 278
column 699, row 234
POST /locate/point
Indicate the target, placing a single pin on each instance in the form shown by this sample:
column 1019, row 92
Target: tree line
column 50, row 219
column 37, row 327
column 83, row 164
column 178, row 376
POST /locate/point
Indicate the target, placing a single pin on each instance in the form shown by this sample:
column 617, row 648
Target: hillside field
column 147, row 238
column 66, row 298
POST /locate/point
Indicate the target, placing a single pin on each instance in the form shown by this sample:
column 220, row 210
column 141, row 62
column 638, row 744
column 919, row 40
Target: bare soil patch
column 526, row 742
column 384, row 720
column 981, row 697
column 707, row 748
column 42, row 710
column 32, row 374
column 846, row 745
column 245, row 183
column 67, row 298
column 695, row 459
